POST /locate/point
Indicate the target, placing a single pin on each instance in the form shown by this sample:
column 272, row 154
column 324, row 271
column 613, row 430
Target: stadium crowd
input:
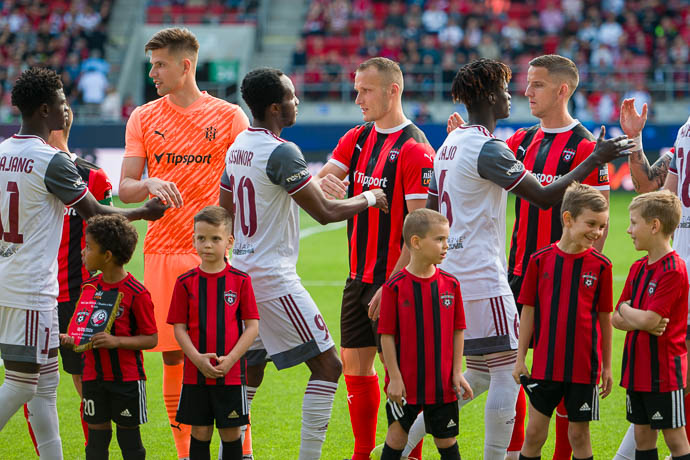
column 68, row 37
column 638, row 46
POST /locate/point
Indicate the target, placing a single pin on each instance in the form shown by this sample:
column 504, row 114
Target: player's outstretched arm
column 605, row 151
column 324, row 211
column 151, row 210
column 134, row 189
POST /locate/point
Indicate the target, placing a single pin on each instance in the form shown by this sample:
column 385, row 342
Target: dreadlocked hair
column 474, row 81
column 35, row 86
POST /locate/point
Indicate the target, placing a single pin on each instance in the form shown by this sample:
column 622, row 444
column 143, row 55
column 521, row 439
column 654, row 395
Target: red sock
column 31, row 431
column 363, row 397
column 84, row 425
column 519, row 428
column 417, row 451
column 562, row 451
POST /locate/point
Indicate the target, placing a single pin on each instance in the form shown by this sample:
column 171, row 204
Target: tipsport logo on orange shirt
column 179, row 159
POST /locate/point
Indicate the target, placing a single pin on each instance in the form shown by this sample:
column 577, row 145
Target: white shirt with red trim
column 262, row 171
column 473, row 172
column 36, row 182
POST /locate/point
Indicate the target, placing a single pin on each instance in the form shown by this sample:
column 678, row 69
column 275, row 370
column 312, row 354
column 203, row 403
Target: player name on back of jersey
column 240, row 157
column 16, row 164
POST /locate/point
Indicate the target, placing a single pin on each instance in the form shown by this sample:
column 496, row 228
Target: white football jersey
column 472, row 173
column 262, row 171
column 36, row 182
column 681, row 167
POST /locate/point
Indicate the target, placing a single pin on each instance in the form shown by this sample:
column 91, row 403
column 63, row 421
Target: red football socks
column 363, row 397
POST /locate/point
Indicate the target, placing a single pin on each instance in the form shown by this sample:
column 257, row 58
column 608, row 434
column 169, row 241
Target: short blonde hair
column 175, row 39
column 579, row 197
column 419, row 222
column 561, row 67
column 662, row 205
column 389, row 69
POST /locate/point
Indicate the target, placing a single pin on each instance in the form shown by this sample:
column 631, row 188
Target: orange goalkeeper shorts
column 160, row 273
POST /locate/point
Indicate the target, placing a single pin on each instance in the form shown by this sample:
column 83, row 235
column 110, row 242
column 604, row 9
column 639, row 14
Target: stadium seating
column 642, row 47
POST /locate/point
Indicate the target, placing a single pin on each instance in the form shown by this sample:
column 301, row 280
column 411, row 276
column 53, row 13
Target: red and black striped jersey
column 134, row 317
column 399, row 161
column 567, row 291
column 71, row 270
column 423, row 315
column 548, row 154
column 213, row 305
column 651, row 363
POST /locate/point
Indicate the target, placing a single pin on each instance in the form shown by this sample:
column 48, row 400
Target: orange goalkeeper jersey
column 186, row 146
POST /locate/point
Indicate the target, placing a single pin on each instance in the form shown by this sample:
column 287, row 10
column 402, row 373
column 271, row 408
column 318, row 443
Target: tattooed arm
column 645, row 178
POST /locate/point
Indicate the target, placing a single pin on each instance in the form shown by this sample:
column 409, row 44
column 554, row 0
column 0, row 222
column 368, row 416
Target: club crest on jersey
column 99, row 317
column 230, row 297
column 393, row 155
column 651, row 288
column 210, row 133
column 81, row 316
column 447, row 299
column 568, row 154
column 588, row 279
column 120, row 310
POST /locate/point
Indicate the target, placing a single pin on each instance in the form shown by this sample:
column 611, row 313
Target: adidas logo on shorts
column 585, row 407
column 657, row 416
column 125, row 413
column 451, row 424
column 233, row 414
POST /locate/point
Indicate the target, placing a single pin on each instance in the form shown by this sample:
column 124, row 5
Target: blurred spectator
column 111, row 108
column 551, row 19
column 421, row 114
column 610, row 31
column 434, row 17
column 641, row 96
column 92, row 85
column 299, row 55
column 128, row 107
column 95, row 62
column 395, row 16
column 451, row 34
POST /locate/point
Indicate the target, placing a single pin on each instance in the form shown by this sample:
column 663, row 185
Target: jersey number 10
column 245, row 204
column 13, row 236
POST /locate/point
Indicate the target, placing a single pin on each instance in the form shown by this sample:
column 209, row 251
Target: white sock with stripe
column 17, row 389
column 251, row 391
column 316, row 413
column 43, row 415
column 499, row 412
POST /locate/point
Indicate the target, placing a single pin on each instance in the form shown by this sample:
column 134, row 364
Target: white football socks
column 43, row 415
column 17, row 389
column 626, row 451
column 316, row 413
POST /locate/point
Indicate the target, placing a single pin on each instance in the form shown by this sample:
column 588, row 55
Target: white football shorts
column 28, row 335
column 493, row 325
column 291, row 330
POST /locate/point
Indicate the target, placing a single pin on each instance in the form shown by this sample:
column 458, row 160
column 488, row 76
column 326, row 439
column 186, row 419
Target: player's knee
column 578, row 433
column 202, row 433
column 676, row 440
column 327, row 366
column 255, row 375
column 173, row 358
column 47, row 385
column 535, row 436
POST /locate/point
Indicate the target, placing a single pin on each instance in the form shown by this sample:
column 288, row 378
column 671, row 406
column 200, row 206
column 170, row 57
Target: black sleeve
column 63, row 180
column 287, row 167
column 497, row 163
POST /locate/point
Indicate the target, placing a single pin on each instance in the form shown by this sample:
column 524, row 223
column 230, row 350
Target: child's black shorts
column 581, row 399
column 122, row 402
column 657, row 409
column 440, row 420
column 200, row 405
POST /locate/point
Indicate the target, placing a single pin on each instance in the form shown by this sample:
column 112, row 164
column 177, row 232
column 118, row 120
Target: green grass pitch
column 276, row 410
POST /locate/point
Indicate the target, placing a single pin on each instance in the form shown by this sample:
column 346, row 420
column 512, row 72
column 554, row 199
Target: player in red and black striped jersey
column 113, row 379
column 422, row 319
column 551, row 149
column 653, row 309
column 215, row 319
column 567, row 297
column 387, row 152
